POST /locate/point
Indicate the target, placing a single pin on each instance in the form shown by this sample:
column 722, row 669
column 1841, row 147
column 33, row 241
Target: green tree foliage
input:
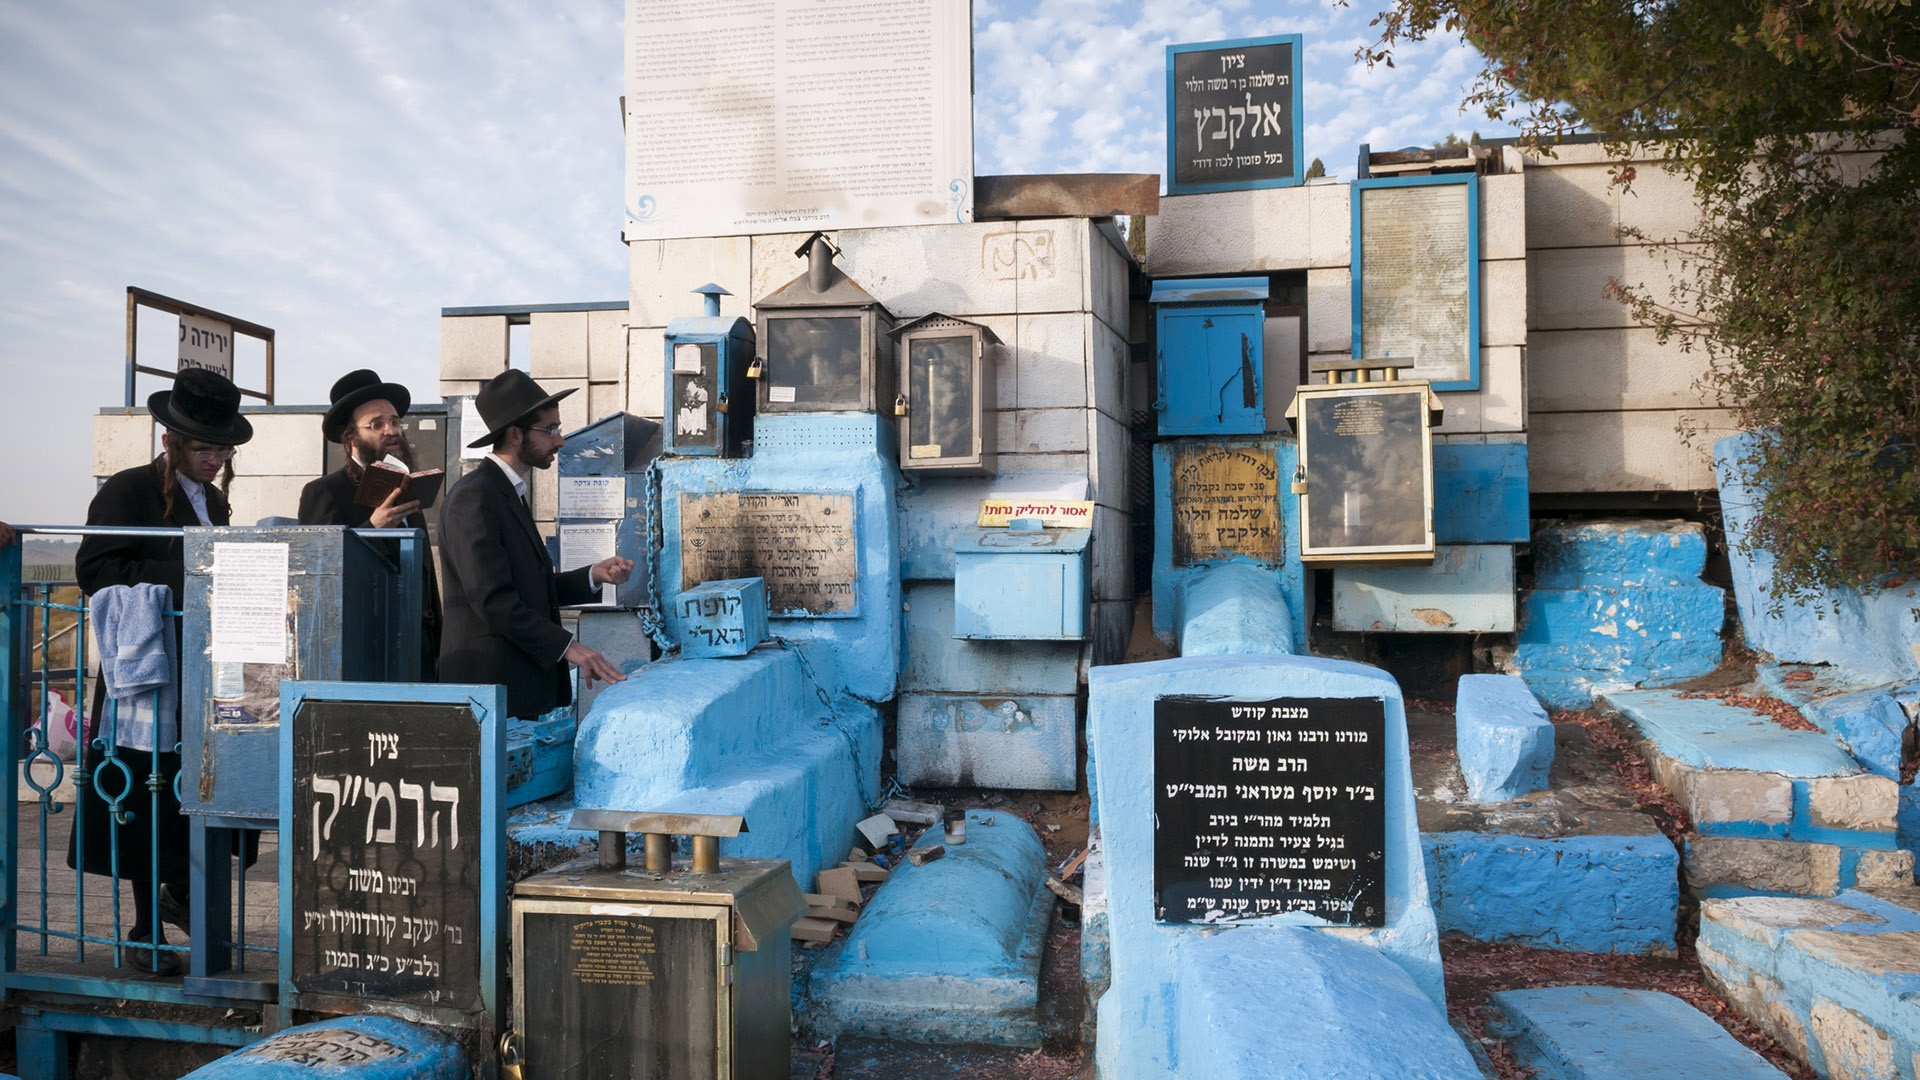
column 1799, row 123
column 1316, row 169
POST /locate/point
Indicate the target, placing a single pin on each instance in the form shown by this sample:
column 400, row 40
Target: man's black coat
column 329, row 501
column 503, row 597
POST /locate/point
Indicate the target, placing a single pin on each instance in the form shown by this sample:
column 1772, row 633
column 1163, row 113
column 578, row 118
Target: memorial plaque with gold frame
column 1366, row 473
column 1416, row 276
column 805, row 545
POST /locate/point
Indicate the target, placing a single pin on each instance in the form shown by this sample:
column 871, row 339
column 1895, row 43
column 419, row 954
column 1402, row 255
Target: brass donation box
column 660, row 972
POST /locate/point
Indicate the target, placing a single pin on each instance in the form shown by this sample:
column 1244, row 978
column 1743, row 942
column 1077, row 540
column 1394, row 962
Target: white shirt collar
column 518, row 478
column 196, row 495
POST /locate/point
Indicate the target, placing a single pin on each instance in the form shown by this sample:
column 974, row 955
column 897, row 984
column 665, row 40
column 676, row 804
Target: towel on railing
column 136, row 662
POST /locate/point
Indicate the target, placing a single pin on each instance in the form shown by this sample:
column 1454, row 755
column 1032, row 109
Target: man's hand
column 391, row 514
column 613, row 570
column 592, row 665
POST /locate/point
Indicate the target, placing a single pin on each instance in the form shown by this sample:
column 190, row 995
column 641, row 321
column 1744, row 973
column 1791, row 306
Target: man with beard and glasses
column 201, row 415
column 503, row 595
column 365, row 419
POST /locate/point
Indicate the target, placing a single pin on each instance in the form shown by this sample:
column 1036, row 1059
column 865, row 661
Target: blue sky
column 341, row 172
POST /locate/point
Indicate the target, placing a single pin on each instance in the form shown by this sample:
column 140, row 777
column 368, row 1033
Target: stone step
column 1739, row 774
column 1502, row 736
column 1631, row 553
column 1575, row 643
column 1834, row 981
column 1606, row 1033
column 1573, row 866
column 360, row 1047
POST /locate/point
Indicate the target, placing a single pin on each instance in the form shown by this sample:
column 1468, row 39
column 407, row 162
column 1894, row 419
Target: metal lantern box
column 1365, row 479
column 657, row 973
column 1211, row 360
column 710, row 402
column 824, row 344
column 352, row 612
column 946, row 400
column 1021, row 584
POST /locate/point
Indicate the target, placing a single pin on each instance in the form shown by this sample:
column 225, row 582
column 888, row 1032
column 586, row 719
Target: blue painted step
column 356, row 1047
column 1605, row 1033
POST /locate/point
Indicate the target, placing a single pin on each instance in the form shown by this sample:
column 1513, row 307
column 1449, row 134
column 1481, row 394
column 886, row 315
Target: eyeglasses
column 390, row 423
column 551, row 431
column 211, row 453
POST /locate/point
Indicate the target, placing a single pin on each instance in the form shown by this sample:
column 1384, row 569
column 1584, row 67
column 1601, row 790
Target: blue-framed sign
column 1416, row 277
column 1233, row 115
column 393, row 848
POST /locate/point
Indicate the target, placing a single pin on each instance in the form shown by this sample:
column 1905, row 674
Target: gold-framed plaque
column 1366, row 473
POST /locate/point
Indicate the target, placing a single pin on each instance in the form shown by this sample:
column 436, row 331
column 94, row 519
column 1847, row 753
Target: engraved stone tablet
column 1269, row 807
column 802, row 543
column 386, row 842
column 1416, row 288
column 1225, row 502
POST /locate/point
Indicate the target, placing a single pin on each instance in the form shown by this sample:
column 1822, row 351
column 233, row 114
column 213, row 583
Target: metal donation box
column 1021, row 583
column 1365, row 479
column 946, row 395
column 710, row 403
column 823, row 342
column 657, row 973
column 600, row 500
column 1210, row 358
column 317, row 602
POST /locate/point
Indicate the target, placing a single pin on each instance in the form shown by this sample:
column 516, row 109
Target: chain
column 826, row 700
column 651, row 621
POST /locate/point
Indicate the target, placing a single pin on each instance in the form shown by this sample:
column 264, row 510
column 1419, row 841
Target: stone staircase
column 1774, row 811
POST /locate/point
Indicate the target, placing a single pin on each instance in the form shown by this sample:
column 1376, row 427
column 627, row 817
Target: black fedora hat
column 353, row 390
column 508, row 397
column 203, row 405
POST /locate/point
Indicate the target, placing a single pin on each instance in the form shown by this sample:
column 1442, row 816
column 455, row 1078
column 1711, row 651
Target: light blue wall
column 828, row 453
column 1141, row 1031
column 1872, row 635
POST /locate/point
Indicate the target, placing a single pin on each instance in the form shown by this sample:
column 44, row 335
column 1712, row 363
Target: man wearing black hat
column 201, row 414
column 365, row 418
column 503, row 596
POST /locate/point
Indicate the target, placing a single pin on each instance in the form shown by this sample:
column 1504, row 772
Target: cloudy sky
column 340, row 172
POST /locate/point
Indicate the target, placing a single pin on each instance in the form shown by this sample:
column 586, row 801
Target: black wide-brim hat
column 353, row 390
column 507, row 398
column 203, row 405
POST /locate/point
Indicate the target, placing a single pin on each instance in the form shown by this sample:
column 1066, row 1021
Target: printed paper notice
column 248, row 618
column 781, row 116
column 584, row 545
column 593, row 496
column 472, row 428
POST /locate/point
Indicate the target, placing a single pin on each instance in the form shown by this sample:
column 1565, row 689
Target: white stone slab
column 1503, row 388
column 1622, row 451
column 473, row 346
column 606, row 347
column 1503, row 302
column 1110, row 475
column 646, row 372
column 557, row 345
column 121, row 442
column 1112, row 573
column 1108, row 361
column 1503, row 217
column 1570, row 206
column 256, row 497
column 1568, row 287
column 663, row 274
column 1329, row 225
column 1330, row 310
column 1620, row 368
column 1041, row 431
column 1467, row 589
column 283, row 444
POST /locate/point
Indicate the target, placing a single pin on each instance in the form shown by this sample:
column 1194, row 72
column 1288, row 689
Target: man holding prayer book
column 365, row 418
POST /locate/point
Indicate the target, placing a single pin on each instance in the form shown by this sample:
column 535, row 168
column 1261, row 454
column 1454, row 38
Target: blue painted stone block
column 723, row 618
column 1872, row 634
column 1606, row 1033
column 360, row 1047
column 1468, row 588
column 1232, row 609
column 945, row 952
column 1025, row 742
column 1144, row 1030
column 1299, row 1004
column 1503, row 738
column 539, row 757
column 1603, row 894
column 1480, row 493
column 1617, row 604
column 1021, row 585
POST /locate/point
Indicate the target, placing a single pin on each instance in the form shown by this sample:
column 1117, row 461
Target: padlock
column 510, row 1057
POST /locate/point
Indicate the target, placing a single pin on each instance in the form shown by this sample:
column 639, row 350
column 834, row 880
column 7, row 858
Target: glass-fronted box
column 710, row 403
column 946, row 400
column 1365, row 479
column 824, row 344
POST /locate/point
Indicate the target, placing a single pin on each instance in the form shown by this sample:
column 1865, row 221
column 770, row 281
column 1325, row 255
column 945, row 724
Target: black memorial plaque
column 1366, row 461
column 1231, row 119
column 620, row 995
column 386, row 836
column 1268, row 807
